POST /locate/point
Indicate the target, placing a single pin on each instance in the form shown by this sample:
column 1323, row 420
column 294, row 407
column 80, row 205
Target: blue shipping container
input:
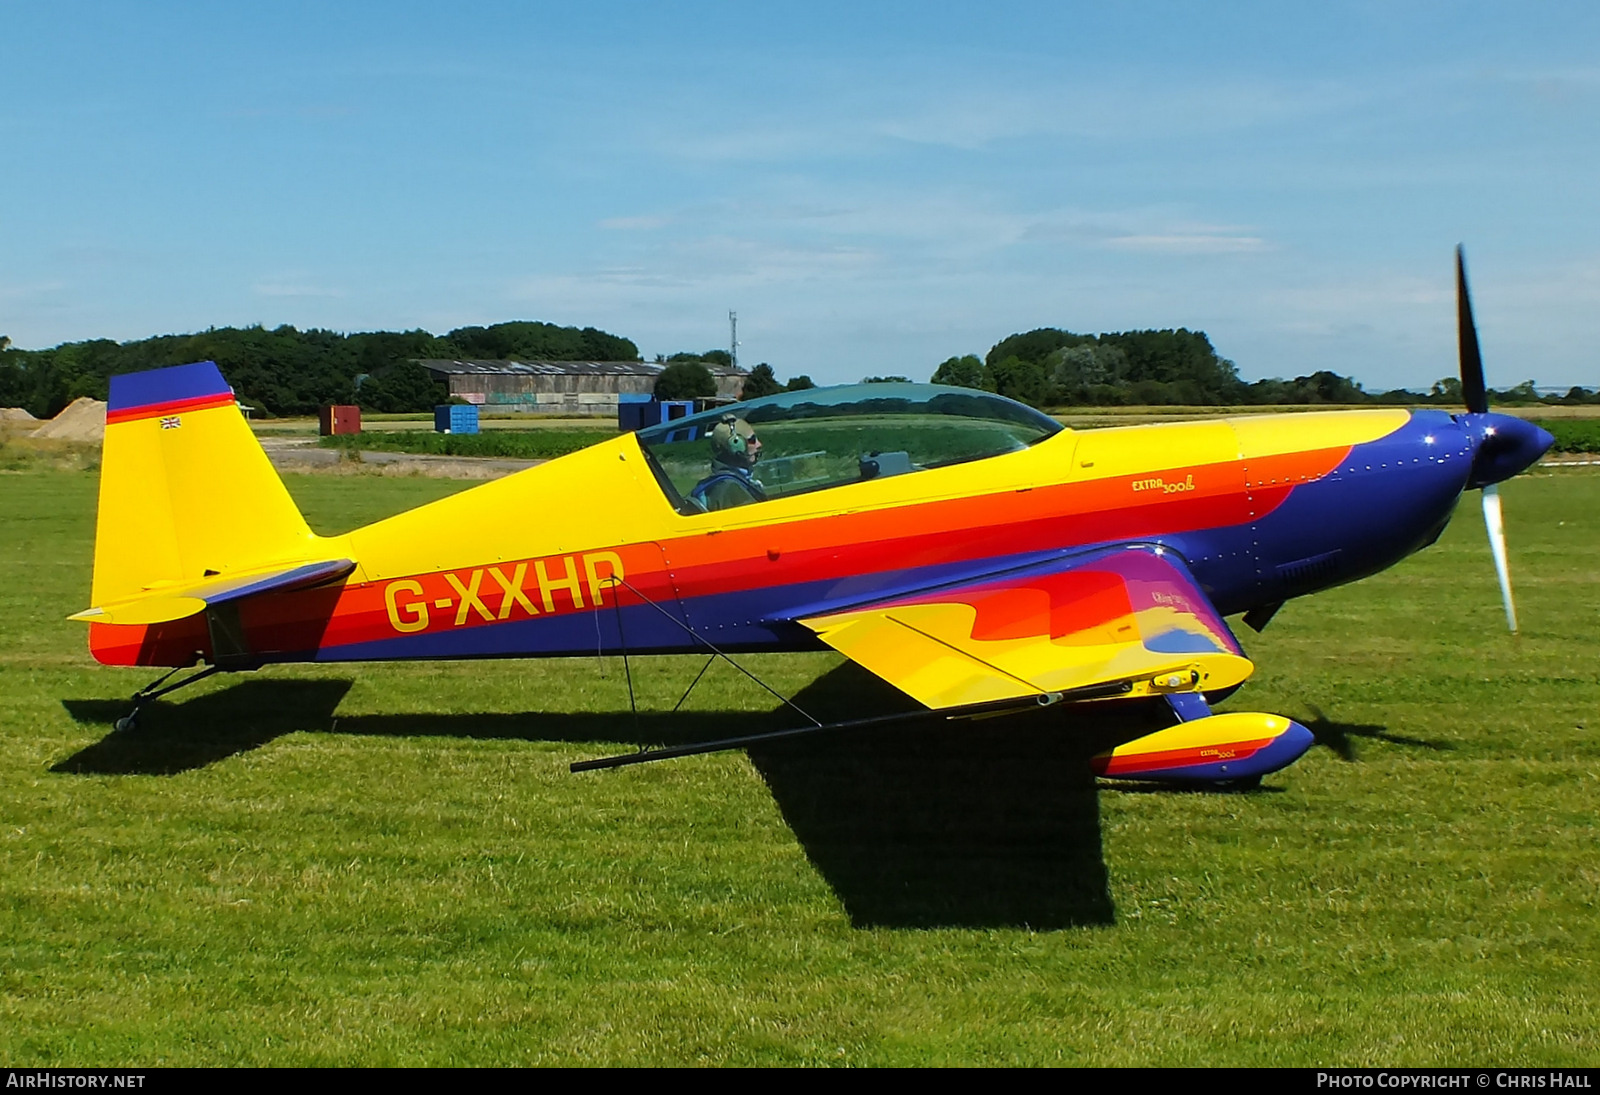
column 456, row 418
column 631, row 415
column 637, row 416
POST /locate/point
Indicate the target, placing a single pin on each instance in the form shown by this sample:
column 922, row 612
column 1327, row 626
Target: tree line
column 687, row 376
column 1049, row 367
column 285, row 371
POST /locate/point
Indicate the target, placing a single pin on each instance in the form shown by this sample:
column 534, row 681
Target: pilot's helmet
column 734, row 442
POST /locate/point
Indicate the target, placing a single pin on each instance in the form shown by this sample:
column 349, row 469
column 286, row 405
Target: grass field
column 391, row 865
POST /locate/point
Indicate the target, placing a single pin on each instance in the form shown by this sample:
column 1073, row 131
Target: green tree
column 964, row 372
column 884, row 379
column 1183, row 360
column 1081, row 372
column 406, row 386
column 800, row 383
column 685, row 380
column 15, row 386
column 1154, row 393
column 1179, row 365
column 527, row 340
column 1024, row 381
column 1322, row 386
column 760, row 382
column 1522, row 393
column 1330, row 387
column 708, row 357
column 1035, row 346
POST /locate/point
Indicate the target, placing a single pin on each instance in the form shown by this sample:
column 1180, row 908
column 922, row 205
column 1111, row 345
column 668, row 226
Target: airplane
column 966, row 548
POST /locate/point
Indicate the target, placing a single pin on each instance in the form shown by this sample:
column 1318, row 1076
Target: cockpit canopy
column 828, row 437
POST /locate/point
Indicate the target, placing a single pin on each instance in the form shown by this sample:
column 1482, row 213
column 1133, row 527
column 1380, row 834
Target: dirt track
column 304, row 455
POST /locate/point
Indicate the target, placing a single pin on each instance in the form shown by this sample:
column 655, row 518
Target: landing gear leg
column 154, row 690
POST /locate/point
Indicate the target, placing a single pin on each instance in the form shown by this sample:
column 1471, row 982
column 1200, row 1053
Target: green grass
column 390, row 864
column 533, row 444
column 23, row 453
column 1573, row 434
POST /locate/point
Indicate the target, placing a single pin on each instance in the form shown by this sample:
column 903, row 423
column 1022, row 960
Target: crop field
column 390, row 864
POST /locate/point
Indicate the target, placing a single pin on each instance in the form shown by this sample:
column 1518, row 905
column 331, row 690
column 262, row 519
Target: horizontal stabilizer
column 177, row 602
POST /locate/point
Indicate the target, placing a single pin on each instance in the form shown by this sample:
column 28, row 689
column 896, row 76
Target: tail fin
column 186, row 492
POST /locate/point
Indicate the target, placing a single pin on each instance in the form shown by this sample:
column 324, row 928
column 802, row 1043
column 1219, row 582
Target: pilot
column 735, row 448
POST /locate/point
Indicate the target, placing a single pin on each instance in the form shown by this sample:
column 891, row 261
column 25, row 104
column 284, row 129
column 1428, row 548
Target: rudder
column 186, row 491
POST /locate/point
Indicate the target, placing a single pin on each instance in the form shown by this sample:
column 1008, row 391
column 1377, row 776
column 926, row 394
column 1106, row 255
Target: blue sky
column 874, row 187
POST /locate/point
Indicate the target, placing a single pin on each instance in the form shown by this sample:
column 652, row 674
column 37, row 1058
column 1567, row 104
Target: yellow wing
column 1130, row 615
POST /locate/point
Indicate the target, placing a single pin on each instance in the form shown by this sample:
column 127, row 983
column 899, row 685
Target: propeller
column 1495, row 524
column 1506, row 445
column 1473, row 391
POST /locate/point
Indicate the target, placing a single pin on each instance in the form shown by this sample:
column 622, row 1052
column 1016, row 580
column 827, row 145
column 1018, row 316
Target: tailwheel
column 156, row 689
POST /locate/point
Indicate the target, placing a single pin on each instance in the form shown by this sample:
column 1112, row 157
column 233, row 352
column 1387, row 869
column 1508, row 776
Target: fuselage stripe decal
column 169, row 407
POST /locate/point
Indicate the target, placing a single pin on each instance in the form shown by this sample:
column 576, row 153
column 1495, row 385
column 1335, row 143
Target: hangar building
column 562, row 387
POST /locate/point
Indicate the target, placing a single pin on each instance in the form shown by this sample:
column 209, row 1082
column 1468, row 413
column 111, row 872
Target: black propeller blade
column 1472, row 387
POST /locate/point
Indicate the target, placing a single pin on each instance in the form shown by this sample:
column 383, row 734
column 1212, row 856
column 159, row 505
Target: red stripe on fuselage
column 170, row 407
column 967, row 529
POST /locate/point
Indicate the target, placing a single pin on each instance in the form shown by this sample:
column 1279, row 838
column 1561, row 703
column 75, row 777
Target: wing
column 1129, row 615
column 176, row 601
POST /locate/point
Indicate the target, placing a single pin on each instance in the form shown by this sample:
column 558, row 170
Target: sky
column 873, row 187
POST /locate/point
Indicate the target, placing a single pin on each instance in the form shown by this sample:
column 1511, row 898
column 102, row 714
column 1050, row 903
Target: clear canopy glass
column 828, row 437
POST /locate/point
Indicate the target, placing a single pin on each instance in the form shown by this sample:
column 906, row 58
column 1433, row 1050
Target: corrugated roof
column 558, row 368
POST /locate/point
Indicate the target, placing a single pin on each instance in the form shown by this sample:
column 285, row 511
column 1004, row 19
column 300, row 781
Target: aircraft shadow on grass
column 978, row 823
column 1340, row 737
column 929, row 823
column 947, row 823
column 179, row 737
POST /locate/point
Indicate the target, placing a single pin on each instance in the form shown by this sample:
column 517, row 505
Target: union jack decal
column 171, row 423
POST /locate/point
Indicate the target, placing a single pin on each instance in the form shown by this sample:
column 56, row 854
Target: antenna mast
column 733, row 337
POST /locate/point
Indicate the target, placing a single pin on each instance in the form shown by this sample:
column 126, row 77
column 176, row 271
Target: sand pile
column 83, row 419
column 15, row 414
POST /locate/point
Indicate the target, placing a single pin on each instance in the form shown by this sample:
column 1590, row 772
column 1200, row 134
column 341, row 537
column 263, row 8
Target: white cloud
column 294, row 289
column 634, row 224
column 29, row 292
column 1188, row 243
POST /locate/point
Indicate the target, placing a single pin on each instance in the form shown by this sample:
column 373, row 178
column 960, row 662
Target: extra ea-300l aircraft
column 965, row 548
